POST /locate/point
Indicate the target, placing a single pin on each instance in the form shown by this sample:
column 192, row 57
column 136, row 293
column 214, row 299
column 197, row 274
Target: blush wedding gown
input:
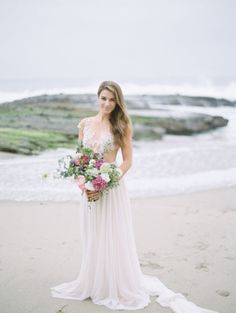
column 110, row 273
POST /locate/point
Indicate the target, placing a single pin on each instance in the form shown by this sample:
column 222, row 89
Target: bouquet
column 90, row 170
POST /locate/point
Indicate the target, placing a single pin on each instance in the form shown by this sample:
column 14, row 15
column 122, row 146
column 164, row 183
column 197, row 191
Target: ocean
column 22, row 88
column 173, row 165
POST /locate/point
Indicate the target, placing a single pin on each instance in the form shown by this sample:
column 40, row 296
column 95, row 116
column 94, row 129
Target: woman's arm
column 127, row 153
column 80, row 131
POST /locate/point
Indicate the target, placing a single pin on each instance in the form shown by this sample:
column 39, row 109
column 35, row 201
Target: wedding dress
column 110, row 273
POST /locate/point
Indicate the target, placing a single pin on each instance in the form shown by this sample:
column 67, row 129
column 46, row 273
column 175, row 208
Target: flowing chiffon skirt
column 110, row 273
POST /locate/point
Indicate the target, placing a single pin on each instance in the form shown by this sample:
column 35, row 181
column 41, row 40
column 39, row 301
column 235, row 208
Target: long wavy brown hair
column 119, row 118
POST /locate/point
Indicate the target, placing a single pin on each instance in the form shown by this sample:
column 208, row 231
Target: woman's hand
column 92, row 195
column 121, row 173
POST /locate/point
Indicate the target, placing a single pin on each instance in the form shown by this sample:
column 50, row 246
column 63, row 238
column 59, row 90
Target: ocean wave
column 171, row 166
column 18, row 91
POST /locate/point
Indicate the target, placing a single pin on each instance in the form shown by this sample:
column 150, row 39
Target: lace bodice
column 100, row 143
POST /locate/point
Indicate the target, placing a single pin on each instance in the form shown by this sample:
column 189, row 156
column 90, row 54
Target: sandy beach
column 187, row 240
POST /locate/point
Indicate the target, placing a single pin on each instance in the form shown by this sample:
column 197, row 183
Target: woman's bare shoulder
column 84, row 121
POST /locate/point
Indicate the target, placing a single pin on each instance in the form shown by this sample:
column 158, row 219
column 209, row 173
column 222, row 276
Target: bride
column 110, row 272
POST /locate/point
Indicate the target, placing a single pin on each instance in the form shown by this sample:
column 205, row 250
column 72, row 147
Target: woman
column 110, row 272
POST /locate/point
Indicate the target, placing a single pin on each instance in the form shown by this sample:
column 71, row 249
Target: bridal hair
column 119, row 118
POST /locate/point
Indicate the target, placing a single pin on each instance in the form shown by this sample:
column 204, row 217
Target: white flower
column 106, row 166
column 92, row 162
column 93, row 171
column 89, row 186
column 119, row 171
column 106, row 177
column 78, row 155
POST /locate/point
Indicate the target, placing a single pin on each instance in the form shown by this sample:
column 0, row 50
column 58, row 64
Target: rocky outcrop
column 133, row 101
column 32, row 125
column 151, row 101
column 147, row 132
column 195, row 123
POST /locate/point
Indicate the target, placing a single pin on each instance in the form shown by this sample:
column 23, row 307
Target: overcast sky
column 117, row 39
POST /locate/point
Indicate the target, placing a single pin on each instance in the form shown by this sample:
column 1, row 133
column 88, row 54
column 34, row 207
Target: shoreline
column 132, row 197
column 187, row 240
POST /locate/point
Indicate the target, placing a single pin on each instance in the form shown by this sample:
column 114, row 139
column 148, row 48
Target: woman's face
column 107, row 101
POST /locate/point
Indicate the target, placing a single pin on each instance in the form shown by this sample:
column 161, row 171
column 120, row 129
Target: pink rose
column 99, row 183
column 81, row 182
column 99, row 163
